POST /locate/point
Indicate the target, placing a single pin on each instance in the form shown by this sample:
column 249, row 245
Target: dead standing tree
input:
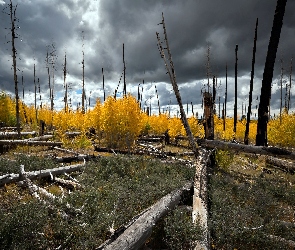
column 199, row 198
column 261, row 137
column 246, row 139
column 171, row 72
column 13, row 19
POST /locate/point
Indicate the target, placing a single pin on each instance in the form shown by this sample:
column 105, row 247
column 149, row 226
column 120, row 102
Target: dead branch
column 69, row 184
column 6, row 179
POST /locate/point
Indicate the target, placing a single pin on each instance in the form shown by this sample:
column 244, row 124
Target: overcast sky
column 192, row 26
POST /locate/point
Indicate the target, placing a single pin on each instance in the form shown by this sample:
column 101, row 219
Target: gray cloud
column 106, row 25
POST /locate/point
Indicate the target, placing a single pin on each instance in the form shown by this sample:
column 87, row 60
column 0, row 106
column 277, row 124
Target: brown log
column 30, row 143
column 10, row 178
column 278, row 152
column 136, row 234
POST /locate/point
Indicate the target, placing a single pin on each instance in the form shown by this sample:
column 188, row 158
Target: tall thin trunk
column 290, row 86
column 83, row 76
column 281, row 99
column 172, row 75
column 246, row 138
column 23, row 85
column 225, row 98
column 261, row 137
column 208, row 66
column 104, row 93
column 13, row 36
column 36, row 113
column 236, row 92
column 65, row 84
column 124, row 70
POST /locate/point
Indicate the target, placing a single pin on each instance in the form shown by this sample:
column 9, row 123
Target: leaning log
column 30, row 143
column 275, row 151
column 139, row 231
column 10, row 178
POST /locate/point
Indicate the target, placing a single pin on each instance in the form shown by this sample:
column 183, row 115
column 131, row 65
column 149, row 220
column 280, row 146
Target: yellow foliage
column 229, row 135
column 281, row 131
column 7, row 110
column 118, row 122
column 121, row 119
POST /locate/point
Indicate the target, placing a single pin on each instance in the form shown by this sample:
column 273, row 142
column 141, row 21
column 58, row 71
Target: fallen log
column 69, row 159
column 10, row 178
column 133, row 152
column 41, row 138
column 282, row 164
column 10, row 135
column 150, row 139
column 28, row 142
column 278, row 152
column 8, row 128
column 137, row 232
column 200, row 197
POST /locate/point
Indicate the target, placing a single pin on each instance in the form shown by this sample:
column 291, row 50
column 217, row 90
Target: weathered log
column 66, row 150
column 136, row 234
column 151, row 139
column 11, row 135
column 30, row 143
column 200, row 197
column 282, row 164
column 279, row 152
column 10, row 178
column 133, row 152
column 8, row 128
column 41, row 138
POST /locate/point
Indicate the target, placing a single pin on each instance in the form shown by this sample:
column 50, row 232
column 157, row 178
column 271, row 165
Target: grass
column 115, row 189
column 249, row 203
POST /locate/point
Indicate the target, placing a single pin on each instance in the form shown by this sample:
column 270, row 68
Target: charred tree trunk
column 236, row 92
column 246, row 139
column 172, row 75
column 208, row 116
column 13, row 36
column 261, row 137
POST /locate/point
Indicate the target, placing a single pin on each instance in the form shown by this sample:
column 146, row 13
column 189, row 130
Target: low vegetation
column 114, row 190
column 251, row 204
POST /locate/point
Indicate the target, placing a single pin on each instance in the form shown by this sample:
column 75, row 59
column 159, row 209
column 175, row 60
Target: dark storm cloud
column 192, row 26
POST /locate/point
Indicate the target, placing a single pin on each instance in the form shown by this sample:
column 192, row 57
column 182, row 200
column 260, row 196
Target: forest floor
column 251, row 204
